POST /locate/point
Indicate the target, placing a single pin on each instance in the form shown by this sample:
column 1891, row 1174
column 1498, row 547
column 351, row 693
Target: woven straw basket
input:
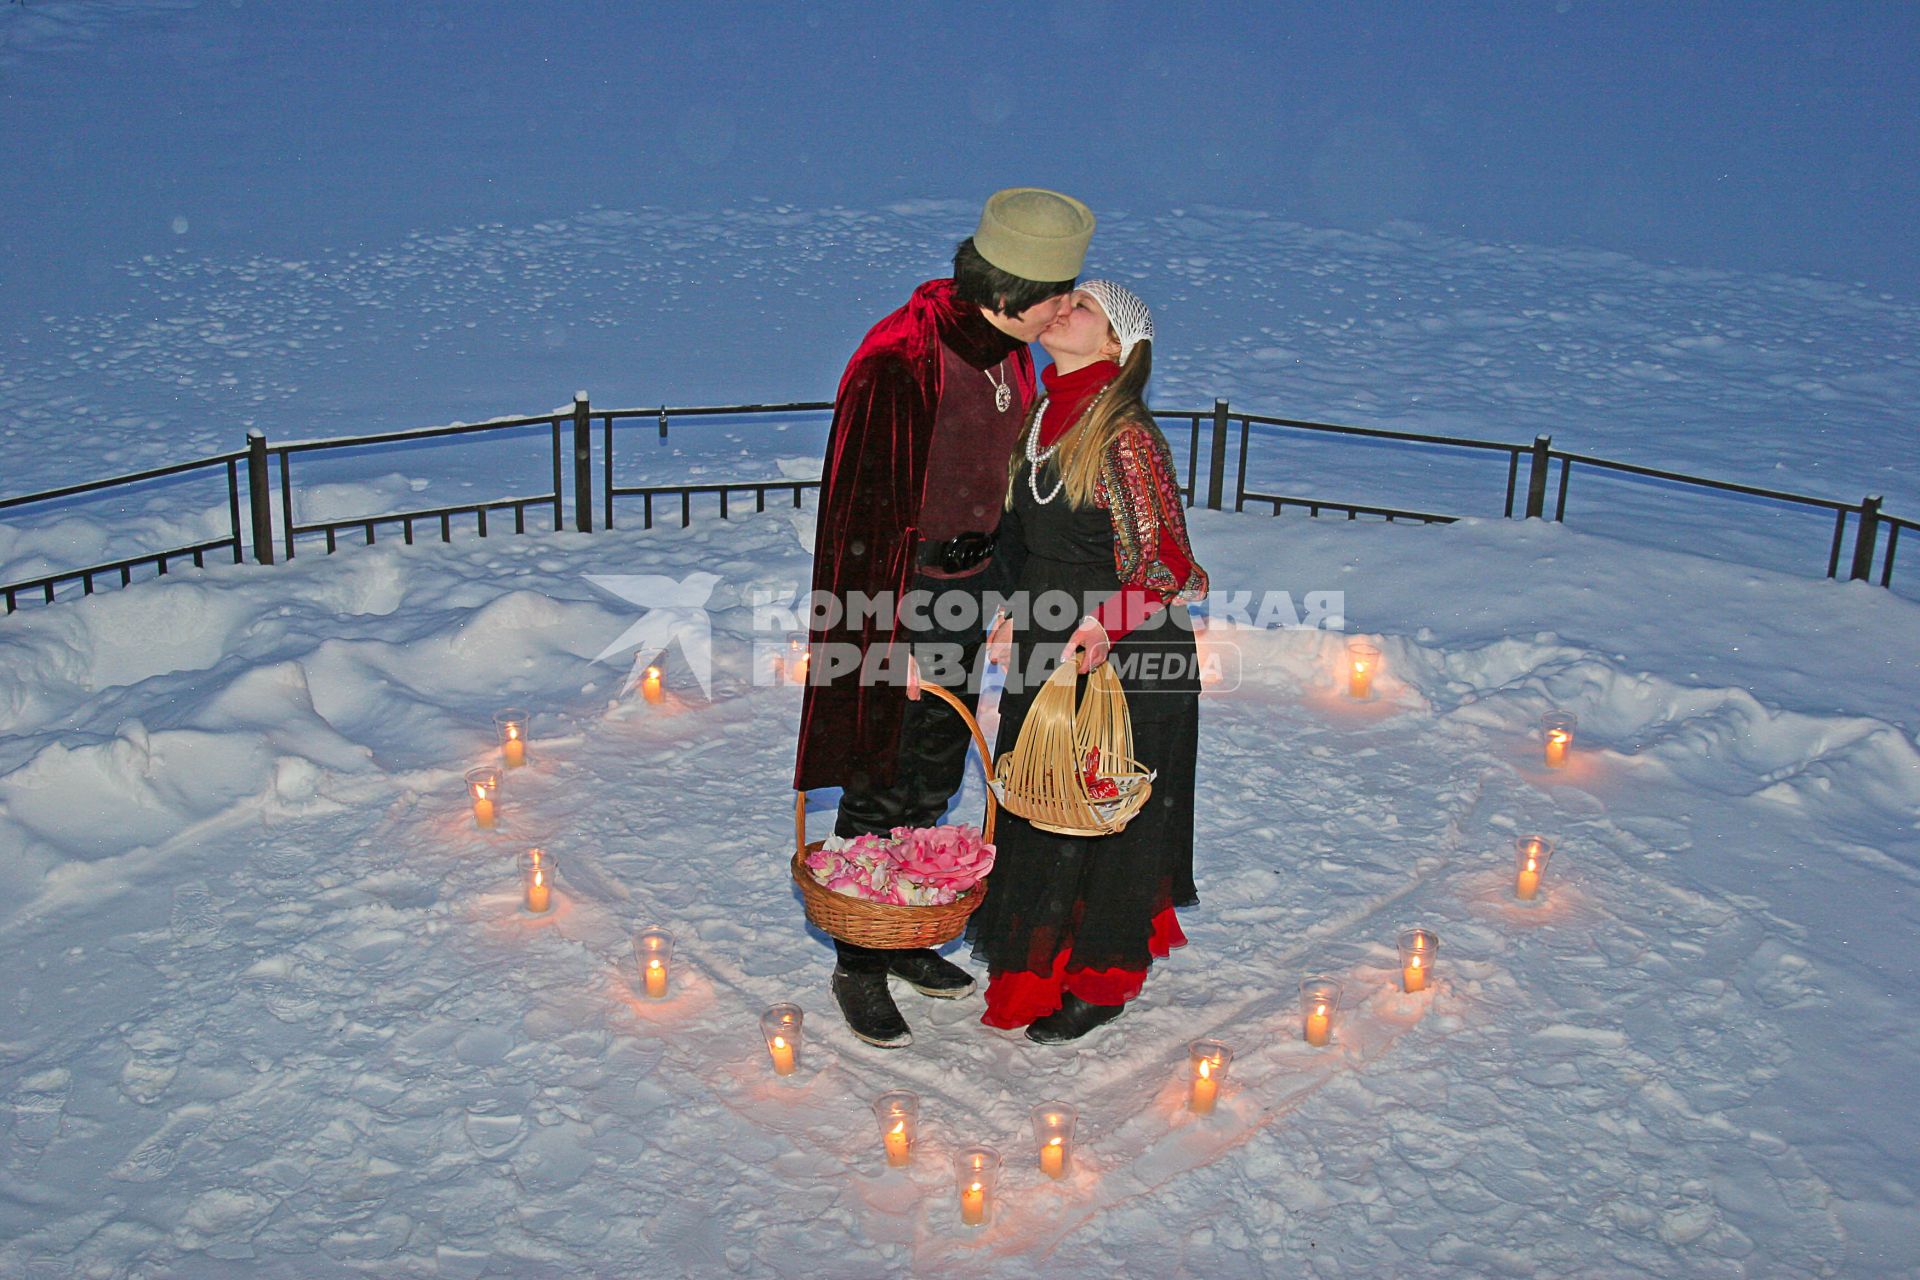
column 883, row 925
column 1041, row 779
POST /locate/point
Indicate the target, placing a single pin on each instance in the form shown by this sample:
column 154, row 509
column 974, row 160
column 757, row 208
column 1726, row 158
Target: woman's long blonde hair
column 1083, row 450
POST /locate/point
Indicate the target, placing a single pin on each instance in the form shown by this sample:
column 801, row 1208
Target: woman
column 1071, row 924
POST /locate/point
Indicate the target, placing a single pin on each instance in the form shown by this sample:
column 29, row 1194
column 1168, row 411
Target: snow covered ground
column 274, row 1009
column 271, row 1008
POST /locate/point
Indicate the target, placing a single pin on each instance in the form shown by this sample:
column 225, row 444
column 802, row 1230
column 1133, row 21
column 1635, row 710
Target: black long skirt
column 1094, row 897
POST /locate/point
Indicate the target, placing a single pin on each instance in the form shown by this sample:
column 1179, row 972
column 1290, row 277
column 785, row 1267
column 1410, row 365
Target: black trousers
column 931, row 760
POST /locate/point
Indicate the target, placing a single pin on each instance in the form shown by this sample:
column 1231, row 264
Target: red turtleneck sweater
column 1068, row 395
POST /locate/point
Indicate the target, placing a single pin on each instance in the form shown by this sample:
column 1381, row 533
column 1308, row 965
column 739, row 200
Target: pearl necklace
column 1036, row 455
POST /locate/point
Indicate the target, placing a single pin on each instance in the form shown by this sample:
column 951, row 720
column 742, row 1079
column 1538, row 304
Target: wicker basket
column 1041, row 778
column 883, row 925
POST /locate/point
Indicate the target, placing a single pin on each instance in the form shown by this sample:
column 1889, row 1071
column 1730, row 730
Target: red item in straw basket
column 1098, row 787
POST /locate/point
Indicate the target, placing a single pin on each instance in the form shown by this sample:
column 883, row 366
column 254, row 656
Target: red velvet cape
column 868, row 532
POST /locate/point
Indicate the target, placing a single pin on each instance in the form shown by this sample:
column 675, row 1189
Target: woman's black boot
column 1073, row 1019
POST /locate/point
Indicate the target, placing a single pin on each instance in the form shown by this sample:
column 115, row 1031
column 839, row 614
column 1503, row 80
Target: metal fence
column 160, row 561
column 270, row 474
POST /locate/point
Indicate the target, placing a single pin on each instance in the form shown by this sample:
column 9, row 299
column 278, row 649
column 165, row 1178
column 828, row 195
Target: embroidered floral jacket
column 1151, row 553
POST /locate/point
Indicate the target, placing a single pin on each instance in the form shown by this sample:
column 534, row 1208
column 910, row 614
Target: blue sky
column 1748, row 136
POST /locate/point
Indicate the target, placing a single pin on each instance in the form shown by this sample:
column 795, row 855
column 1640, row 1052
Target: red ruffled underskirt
column 1016, row 999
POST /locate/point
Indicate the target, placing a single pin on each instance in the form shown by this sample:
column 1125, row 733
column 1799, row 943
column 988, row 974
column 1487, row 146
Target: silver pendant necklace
column 1036, row 456
column 1002, row 393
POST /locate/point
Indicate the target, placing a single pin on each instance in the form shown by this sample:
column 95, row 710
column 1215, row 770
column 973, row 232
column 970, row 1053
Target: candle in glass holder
column 536, row 874
column 1053, row 1134
column 1530, row 854
column 483, row 786
column 796, row 665
column 1362, row 661
column 1208, row 1061
column 1417, row 950
column 1558, row 727
column 976, row 1170
column 513, row 736
column 781, row 1026
column 653, row 950
column 1319, row 1002
column 899, row 1115
column 650, row 685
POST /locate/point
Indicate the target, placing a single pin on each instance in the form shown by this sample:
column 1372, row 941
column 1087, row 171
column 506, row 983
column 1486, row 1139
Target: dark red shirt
column 973, row 440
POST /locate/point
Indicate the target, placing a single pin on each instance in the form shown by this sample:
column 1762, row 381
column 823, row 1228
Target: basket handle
column 979, row 742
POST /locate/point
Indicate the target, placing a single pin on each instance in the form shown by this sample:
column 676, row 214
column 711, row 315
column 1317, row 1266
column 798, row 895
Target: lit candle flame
column 976, row 1187
column 900, row 1129
column 1206, row 1068
column 1415, row 962
column 1319, row 1011
column 779, row 1042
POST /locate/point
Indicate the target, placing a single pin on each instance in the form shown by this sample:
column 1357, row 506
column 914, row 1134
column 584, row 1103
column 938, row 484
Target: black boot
column 1073, row 1019
column 869, row 1009
column 930, row 973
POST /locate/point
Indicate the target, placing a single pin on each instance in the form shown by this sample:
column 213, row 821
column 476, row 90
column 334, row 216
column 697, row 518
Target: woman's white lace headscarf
column 1131, row 320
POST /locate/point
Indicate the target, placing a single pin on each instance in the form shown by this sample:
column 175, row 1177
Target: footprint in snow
column 153, row 1061
column 194, row 918
column 154, row 1159
column 291, row 1002
column 39, row 1107
column 283, row 862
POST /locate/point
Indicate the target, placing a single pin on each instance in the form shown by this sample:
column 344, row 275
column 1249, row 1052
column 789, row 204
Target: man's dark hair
column 978, row 281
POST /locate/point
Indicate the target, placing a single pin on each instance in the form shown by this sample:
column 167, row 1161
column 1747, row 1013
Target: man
column 924, row 424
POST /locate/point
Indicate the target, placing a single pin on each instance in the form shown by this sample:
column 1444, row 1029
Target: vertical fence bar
column 1833, row 548
column 1863, row 541
column 286, row 502
column 1193, row 459
column 582, row 464
column 559, row 515
column 1240, row 485
column 1537, row 477
column 259, row 497
column 606, row 458
column 1217, row 465
column 233, row 513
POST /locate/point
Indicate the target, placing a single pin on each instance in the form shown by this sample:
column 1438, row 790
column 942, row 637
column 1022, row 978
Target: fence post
column 260, row 496
column 582, row 464
column 1863, row 543
column 1537, row 478
column 1217, row 466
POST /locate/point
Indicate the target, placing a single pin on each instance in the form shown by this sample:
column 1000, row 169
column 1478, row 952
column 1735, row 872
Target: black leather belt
column 956, row 554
